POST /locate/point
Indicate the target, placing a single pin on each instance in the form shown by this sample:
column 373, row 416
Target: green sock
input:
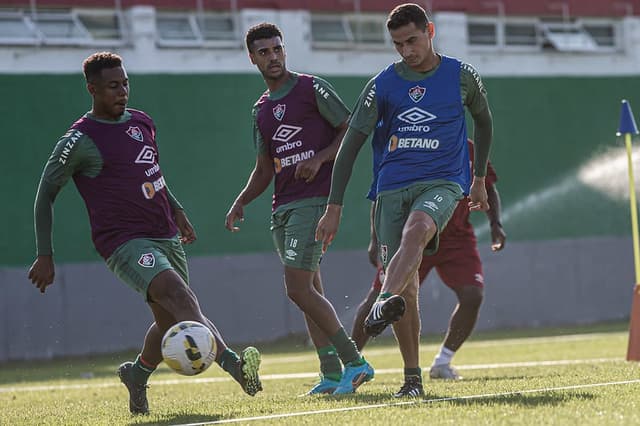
column 385, row 296
column 347, row 350
column 330, row 365
column 229, row 362
column 413, row 372
column 141, row 370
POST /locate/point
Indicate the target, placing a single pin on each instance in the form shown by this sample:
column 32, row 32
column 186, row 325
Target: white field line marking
column 423, row 401
column 304, row 375
column 479, row 344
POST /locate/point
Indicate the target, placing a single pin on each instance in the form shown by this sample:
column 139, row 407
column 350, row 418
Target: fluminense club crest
column 147, row 260
column 416, row 93
column 278, row 111
column 135, row 133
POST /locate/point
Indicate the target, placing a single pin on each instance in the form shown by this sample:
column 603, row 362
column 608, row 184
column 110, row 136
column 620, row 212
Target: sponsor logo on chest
column 149, row 189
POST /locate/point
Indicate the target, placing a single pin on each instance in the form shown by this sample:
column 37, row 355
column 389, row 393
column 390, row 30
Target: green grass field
column 550, row 377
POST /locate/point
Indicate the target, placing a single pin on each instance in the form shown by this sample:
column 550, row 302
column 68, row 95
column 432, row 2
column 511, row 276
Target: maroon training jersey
column 128, row 198
column 293, row 130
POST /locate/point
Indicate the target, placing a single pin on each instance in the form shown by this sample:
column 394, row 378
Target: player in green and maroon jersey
column 137, row 225
column 298, row 124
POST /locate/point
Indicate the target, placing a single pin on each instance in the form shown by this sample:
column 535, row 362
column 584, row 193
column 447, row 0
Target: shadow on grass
column 528, row 400
column 175, row 419
column 520, row 399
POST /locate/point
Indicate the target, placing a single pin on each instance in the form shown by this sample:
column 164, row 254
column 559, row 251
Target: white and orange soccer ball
column 189, row 348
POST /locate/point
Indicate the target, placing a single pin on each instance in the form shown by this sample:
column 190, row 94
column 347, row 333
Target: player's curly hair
column 405, row 14
column 94, row 64
column 262, row 31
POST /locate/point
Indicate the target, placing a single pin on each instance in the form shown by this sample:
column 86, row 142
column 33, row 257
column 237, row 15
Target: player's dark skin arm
column 498, row 236
column 258, row 181
column 187, row 232
column 372, row 250
column 309, row 168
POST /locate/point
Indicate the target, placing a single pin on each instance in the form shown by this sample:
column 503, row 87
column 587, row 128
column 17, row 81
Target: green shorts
column 293, row 228
column 138, row 261
column 437, row 198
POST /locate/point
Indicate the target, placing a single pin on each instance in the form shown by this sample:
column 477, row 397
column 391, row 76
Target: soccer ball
column 189, row 348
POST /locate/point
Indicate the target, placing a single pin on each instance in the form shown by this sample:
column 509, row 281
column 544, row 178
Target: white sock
column 444, row 356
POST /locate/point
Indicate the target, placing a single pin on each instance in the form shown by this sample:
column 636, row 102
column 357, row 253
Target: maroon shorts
column 457, row 267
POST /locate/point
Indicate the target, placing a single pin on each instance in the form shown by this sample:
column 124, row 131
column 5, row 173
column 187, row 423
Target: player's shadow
column 500, row 378
column 549, row 398
column 527, row 400
column 178, row 419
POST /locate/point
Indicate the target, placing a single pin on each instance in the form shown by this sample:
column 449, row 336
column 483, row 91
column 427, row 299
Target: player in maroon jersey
column 298, row 125
column 137, row 225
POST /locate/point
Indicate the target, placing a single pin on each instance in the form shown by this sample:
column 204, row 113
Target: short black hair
column 264, row 30
column 405, row 14
column 94, row 64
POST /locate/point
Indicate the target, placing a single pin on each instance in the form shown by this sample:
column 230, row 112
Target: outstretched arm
column 42, row 271
column 258, row 181
column 74, row 153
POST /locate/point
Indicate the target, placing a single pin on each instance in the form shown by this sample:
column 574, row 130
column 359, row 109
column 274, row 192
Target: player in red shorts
column 458, row 265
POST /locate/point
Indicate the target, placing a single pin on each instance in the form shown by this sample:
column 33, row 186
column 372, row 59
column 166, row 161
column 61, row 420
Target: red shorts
column 457, row 267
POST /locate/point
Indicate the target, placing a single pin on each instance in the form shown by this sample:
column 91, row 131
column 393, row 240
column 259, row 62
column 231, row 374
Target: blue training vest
column 421, row 133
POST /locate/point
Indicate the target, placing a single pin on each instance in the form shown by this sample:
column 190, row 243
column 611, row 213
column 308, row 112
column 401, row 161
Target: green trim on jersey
column 74, row 153
column 473, row 95
column 126, row 115
column 330, row 105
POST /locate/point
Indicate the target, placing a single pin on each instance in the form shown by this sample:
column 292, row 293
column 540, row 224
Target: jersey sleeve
column 330, row 105
column 74, row 153
column 474, row 97
column 365, row 114
column 474, row 93
column 258, row 141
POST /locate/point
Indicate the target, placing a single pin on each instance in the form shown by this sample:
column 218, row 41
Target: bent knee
column 471, row 296
column 170, row 292
column 419, row 231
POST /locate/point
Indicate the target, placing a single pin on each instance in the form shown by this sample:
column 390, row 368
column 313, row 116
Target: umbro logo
column 285, row 132
column 146, row 156
column 430, row 205
column 416, row 115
